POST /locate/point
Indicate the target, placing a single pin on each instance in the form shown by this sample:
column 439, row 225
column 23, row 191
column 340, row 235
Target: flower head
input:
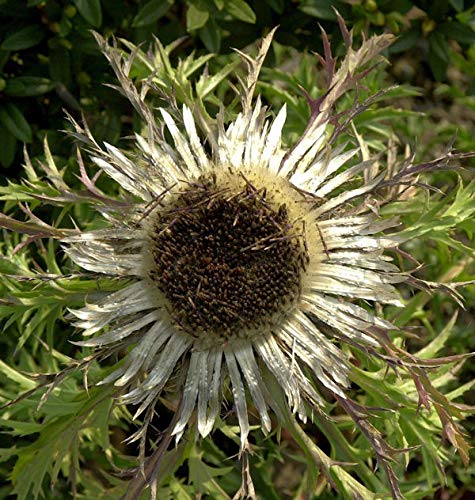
column 244, row 262
column 248, row 256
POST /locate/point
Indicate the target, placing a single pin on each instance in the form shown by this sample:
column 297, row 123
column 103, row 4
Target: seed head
column 227, row 262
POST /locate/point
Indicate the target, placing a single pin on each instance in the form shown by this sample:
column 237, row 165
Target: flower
column 233, row 260
column 244, row 258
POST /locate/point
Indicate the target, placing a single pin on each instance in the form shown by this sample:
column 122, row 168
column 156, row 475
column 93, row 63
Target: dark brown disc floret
column 227, row 262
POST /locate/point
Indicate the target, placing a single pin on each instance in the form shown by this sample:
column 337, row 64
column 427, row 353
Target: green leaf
column 13, row 120
column 6, row 454
column 347, row 485
column 207, row 84
column 322, row 9
column 457, row 31
column 26, row 86
column 457, row 4
column 90, row 10
column 189, row 65
column 400, row 6
column 24, row 38
column 202, row 476
column 4, row 58
column 383, row 114
column 437, row 344
column 405, row 41
column 101, row 422
column 460, row 390
column 19, row 428
column 437, row 10
column 24, row 383
column 151, row 12
column 277, row 5
column 241, row 10
column 438, row 55
column 7, row 147
column 57, row 440
column 195, row 17
column 60, row 65
column 211, row 36
column 439, row 47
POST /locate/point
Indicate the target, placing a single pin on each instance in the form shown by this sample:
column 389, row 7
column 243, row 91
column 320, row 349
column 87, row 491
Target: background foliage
column 50, row 62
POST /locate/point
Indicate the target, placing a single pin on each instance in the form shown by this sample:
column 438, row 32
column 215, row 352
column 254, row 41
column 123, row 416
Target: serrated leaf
column 151, row 12
column 7, row 453
column 188, row 66
column 171, row 460
column 416, row 432
column 19, row 428
column 24, row 38
column 203, row 476
column 30, row 228
column 90, row 10
column 207, row 84
column 27, row 86
column 37, row 459
column 383, row 113
column 347, row 485
column 14, row 121
column 46, row 455
column 239, row 9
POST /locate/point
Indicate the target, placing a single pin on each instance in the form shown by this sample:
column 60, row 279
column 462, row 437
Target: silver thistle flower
column 243, row 261
column 240, row 258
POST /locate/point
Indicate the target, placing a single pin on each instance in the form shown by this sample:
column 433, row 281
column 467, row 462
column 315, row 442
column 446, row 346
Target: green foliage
column 61, row 435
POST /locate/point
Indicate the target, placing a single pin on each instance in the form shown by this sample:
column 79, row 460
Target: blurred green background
column 50, row 63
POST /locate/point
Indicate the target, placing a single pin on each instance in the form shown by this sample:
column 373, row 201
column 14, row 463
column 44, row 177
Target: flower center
column 229, row 261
